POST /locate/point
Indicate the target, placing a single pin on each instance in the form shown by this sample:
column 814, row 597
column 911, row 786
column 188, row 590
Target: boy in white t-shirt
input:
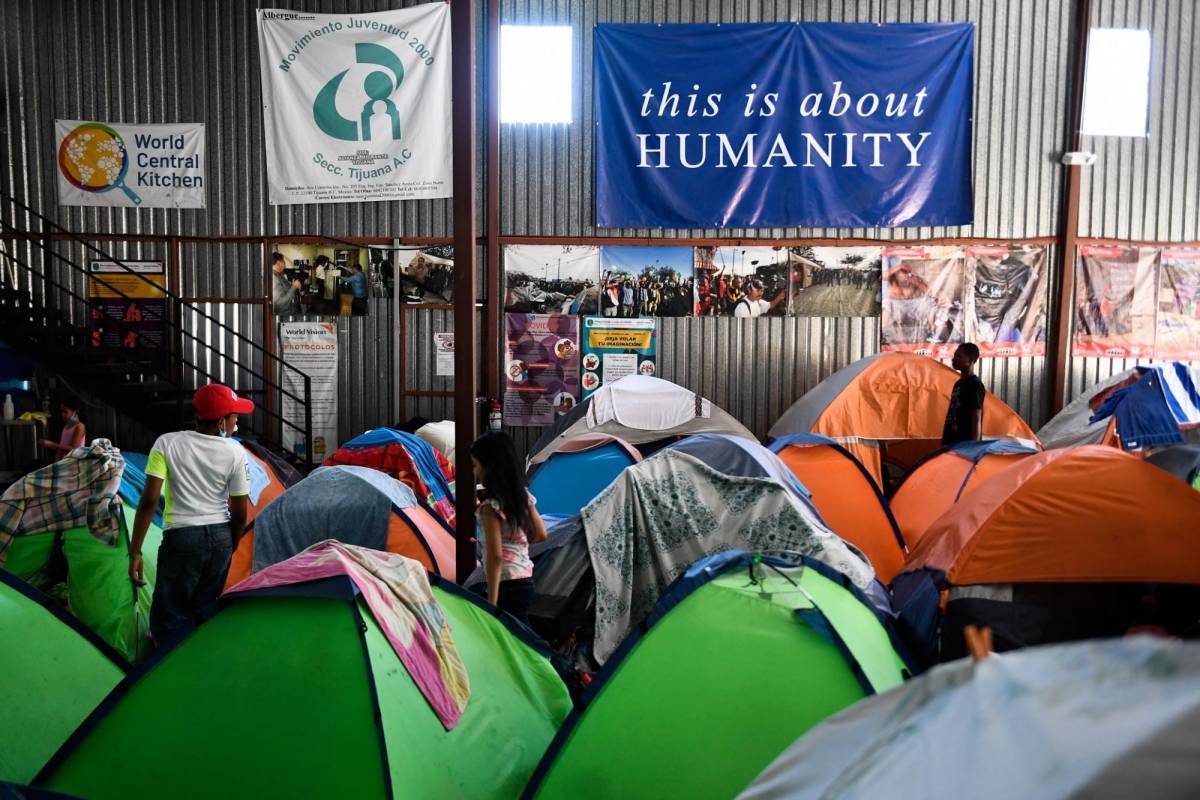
column 207, row 483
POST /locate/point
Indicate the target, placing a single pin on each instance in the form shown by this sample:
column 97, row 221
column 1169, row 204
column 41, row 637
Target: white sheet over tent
column 440, row 436
column 1058, row 721
column 639, row 409
column 1071, row 427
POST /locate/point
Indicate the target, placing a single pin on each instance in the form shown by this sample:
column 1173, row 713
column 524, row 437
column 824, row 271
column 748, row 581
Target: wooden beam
column 462, row 37
column 1059, row 350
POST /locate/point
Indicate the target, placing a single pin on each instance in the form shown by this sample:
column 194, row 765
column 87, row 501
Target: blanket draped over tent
column 79, row 491
column 397, row 591
column 663, row 515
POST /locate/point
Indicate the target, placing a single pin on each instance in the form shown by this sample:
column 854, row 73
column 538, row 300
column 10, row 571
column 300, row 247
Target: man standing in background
column 283, row 294
column 964, row 417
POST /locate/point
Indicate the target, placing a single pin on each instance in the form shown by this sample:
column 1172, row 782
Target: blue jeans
column 192, row 565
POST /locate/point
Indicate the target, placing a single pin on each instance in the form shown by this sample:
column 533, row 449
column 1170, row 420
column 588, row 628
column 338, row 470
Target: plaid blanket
column 399, row 462
column 79, row 491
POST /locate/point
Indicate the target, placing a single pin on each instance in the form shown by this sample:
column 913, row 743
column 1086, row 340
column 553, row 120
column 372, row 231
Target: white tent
column 1104, row 719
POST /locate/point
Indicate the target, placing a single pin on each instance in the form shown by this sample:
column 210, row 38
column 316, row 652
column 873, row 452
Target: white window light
column 535, row 73
column 1116, row 83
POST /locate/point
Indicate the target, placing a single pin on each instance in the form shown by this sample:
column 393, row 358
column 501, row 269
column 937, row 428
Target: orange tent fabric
column 937, row 484
column 274, row 488
column 1086, row 514
column 894, row 397
column 849, row 501
column 400, row 540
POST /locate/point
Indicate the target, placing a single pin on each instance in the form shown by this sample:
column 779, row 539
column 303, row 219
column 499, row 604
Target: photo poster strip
column 1115, row 298
column 1006, row 299
column 924, row 293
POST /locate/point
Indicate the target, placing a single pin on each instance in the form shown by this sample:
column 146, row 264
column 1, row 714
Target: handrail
column 197, row 368
column 76, row 238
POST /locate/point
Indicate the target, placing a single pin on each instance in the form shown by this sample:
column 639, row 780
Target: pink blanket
column 397, row 592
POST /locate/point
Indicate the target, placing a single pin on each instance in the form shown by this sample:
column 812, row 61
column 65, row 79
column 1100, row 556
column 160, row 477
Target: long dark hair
column 503, row 476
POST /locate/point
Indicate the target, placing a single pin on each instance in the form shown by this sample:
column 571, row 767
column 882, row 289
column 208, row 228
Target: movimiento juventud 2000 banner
column 778, row 125
column 356, row 106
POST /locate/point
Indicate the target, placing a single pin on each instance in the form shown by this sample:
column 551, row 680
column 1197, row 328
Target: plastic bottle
column 10, row 412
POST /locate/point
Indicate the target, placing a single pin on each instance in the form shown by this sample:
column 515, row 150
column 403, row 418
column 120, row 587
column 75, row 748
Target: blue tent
column 567, row 481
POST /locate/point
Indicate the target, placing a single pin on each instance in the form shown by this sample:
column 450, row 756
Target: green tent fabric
column 740, row 657
column 295, row 691
column 55, row 672
column 98, row 590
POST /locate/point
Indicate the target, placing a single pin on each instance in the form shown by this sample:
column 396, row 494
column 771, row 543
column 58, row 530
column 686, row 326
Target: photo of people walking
column 836, row 281
column 742, row 281
column 647, row 282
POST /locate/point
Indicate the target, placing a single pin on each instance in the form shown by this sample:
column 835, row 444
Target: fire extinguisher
column 495, row 416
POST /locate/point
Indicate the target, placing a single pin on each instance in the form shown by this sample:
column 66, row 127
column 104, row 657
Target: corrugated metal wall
column 1149, row 188
column 755, row 369
column 182, row 60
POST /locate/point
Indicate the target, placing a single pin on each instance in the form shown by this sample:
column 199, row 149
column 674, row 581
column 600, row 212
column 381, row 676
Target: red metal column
column 465, row 360
column 495, row 292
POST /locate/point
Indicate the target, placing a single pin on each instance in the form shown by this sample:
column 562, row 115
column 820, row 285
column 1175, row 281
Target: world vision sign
column 356, row 107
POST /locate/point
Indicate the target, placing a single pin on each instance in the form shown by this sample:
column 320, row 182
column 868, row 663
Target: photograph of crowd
column 647, row 282
column 552, row 279
column 426, row 275
column 742, row 281
column 923, row 293
column 326, row 279
column 837, row 281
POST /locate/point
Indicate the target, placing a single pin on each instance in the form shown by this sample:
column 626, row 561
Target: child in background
column 510, row 523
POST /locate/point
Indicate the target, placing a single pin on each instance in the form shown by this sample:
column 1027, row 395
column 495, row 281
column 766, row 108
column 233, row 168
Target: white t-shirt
column 751, row 308
column 200, row 473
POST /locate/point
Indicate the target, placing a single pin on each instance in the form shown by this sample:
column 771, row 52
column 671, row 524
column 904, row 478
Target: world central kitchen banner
column 777, row 125
column 356, row 106
column 113, row 164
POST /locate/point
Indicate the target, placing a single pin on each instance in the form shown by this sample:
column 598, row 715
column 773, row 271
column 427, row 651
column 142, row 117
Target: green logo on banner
column 379, row 87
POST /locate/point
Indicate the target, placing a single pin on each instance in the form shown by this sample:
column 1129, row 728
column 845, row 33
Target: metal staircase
column 42, row 316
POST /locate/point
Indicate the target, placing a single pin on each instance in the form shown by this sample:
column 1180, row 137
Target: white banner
column 312, row 348
column 356, row 106
column 110, row 164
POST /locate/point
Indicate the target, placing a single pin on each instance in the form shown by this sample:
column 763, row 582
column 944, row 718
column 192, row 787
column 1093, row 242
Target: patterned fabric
column 661, row 516
column 79, row 491
column 397, row 461
column 397, row 592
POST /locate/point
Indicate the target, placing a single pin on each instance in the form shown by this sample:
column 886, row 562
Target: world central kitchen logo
column 379, row 86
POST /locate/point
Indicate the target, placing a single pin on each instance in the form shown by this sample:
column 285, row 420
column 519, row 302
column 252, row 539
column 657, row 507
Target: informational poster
column 1179, row 305
column 127, row 304
column 1006, row 299
column 312, row 348
column 613, row 348
column 837, row 281
column 783, row 124
column 356, row 106
column 541, row 379
column 742, row 281
column 335, row 279
column 924, row 292
column 552, row 279
column 1115, row 302
column 112, row 164
column 647, row 281
column 443, row 354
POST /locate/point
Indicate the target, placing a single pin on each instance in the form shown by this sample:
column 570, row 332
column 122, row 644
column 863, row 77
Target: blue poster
column 780, row 125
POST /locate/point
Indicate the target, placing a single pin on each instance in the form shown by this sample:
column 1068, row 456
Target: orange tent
column 942, row 479
column 356, row 505
column 1068, row 544
column 1080, row 514
column 273, row 489
column 890, row 407
column 847, row 498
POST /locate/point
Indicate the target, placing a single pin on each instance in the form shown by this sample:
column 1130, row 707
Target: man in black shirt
column 964, row 418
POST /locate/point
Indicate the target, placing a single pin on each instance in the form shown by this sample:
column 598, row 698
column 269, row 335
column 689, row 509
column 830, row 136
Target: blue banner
column 780, row 125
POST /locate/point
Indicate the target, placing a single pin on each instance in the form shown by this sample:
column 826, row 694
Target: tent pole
column 462, row 15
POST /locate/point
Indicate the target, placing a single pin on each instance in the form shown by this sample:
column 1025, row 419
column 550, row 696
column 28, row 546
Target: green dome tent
column 294, row 691
column 93, row 579
column 741, row 656
column 55, row 673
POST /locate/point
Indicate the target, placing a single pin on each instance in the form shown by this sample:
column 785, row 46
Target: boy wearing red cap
column 207, row 481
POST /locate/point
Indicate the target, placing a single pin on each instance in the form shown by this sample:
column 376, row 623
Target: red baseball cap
column 215, row 400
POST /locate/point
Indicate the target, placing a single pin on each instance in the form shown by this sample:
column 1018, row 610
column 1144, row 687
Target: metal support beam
column 494, row 336
column 1059, row 351
column 462, row 37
